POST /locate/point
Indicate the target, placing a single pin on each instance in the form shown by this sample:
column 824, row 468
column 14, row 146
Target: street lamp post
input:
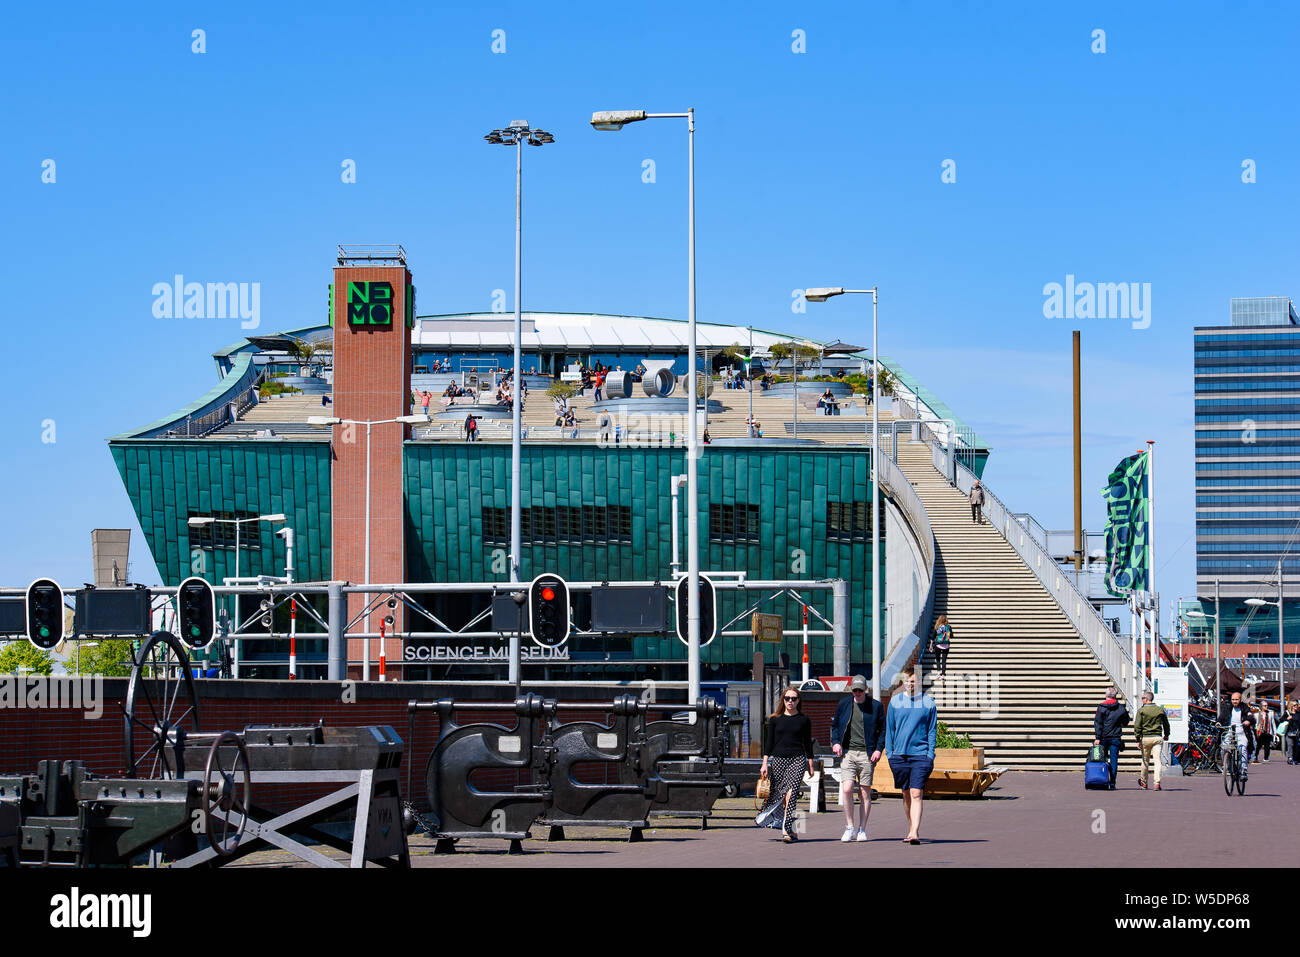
column 821, row 295
column 322, row 421
column 615, row 120
column 198, row 521
column 515, row 135
column 749, row 379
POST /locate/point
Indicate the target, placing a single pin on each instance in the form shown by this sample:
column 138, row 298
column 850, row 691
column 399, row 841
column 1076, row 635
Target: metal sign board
column 629, row 609
column 1169, row 686
column 766, row 627
column 113, row 612
column 507, row 618
column 13, row 616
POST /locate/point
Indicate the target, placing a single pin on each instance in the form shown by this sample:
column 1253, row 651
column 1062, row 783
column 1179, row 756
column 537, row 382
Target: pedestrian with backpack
column 940, row 643
column 1107, row 729
column 471, row 428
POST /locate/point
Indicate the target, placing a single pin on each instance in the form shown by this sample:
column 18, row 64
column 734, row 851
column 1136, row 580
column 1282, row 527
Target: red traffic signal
column 548, row 610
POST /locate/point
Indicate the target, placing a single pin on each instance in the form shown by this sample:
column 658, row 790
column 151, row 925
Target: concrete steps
column 1020, row 680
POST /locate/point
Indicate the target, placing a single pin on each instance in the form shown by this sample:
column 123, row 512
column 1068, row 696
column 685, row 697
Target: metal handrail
column 904, row 495
column 1092, row 628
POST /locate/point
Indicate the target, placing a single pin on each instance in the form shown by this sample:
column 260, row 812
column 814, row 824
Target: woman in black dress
column 787, row 753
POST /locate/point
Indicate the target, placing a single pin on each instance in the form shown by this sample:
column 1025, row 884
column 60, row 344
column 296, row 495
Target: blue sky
column 814, row 168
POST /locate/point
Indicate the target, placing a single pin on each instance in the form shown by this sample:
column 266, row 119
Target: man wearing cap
column 858, row 734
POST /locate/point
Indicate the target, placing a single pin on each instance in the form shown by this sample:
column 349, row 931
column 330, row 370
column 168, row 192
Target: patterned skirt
column 786, row 775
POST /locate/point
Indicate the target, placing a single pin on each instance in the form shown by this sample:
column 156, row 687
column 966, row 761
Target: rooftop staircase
column 1019, row 679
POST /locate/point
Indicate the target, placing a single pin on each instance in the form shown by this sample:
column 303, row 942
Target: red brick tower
column 373, row 310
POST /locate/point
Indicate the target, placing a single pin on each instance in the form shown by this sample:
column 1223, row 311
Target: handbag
column 1097, row 753
column 762, row 791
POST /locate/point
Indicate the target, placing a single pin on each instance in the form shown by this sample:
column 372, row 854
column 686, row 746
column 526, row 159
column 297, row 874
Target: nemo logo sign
column 370, row 304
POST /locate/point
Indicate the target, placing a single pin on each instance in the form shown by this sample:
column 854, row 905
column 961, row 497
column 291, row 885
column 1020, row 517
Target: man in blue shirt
column 911, row 729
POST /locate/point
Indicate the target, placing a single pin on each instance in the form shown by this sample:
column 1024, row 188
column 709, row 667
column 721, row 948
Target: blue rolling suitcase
column 1096, row 770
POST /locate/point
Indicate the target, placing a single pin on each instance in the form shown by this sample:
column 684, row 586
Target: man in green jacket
column 1151, row 726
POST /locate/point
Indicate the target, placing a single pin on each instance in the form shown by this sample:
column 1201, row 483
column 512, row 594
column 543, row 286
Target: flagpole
column 1132, row 645
column 1151, row 533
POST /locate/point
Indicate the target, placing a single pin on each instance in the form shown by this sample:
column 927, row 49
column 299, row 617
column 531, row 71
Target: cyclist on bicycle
column 1238, row 728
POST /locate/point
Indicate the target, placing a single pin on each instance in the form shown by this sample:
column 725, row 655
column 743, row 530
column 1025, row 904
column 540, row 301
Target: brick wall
column 28, row 735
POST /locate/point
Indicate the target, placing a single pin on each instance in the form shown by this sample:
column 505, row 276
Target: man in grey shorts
column 857, row 735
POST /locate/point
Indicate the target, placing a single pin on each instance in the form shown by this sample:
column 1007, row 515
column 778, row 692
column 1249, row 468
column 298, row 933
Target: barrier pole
column 383, row 658
column 293, row 634
column 805, row 642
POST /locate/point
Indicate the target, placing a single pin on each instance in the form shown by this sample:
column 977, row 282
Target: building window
column 564, row 523
column 734, row 524
column 850, row 521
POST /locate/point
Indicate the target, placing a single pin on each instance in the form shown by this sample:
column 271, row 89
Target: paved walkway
column 1028, row 819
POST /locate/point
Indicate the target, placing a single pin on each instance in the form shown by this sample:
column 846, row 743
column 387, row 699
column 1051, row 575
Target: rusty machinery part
column 221, row 792
column 161, row 709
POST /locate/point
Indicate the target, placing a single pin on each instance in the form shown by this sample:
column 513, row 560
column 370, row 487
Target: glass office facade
column 1263, row 311
column 1247, row 395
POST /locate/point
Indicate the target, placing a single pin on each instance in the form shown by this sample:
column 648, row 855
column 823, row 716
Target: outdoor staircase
column 1020, row 680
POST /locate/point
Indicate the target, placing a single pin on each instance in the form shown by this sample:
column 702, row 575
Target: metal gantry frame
column 337, row 626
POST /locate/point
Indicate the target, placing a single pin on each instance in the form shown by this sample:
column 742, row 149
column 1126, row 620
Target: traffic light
column 708, row 618
column 548, row 610
column 196, row 612
column 44, row 613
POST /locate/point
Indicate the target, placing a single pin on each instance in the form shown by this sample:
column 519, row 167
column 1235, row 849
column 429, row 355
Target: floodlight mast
column 516, row 134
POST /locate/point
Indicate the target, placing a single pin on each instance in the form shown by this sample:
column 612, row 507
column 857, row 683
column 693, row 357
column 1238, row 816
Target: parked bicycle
column 1200, row 753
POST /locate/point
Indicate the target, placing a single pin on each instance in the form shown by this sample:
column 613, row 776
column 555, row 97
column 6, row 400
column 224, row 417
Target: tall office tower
column 1247, row 377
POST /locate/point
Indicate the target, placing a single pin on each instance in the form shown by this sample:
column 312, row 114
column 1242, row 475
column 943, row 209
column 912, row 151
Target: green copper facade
column 784, row 492
column 774, row 513
column 171, row 480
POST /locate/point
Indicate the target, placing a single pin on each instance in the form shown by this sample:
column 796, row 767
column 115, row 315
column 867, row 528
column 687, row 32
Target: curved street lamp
column 615, row 120
column 821, row 294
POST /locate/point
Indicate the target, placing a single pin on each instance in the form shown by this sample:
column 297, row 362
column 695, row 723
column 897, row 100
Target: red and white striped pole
column 293, row 633
column 805, row 642
column 383, row 658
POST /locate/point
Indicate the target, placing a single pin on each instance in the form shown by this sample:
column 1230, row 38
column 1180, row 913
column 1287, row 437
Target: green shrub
column 947, row 739
column 269, row 389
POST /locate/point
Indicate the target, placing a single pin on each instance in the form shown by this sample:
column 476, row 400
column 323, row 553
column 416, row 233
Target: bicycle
column 1200, row 753
column 1234, row 774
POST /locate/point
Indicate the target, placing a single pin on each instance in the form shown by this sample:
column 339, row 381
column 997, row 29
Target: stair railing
column 900, row 654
